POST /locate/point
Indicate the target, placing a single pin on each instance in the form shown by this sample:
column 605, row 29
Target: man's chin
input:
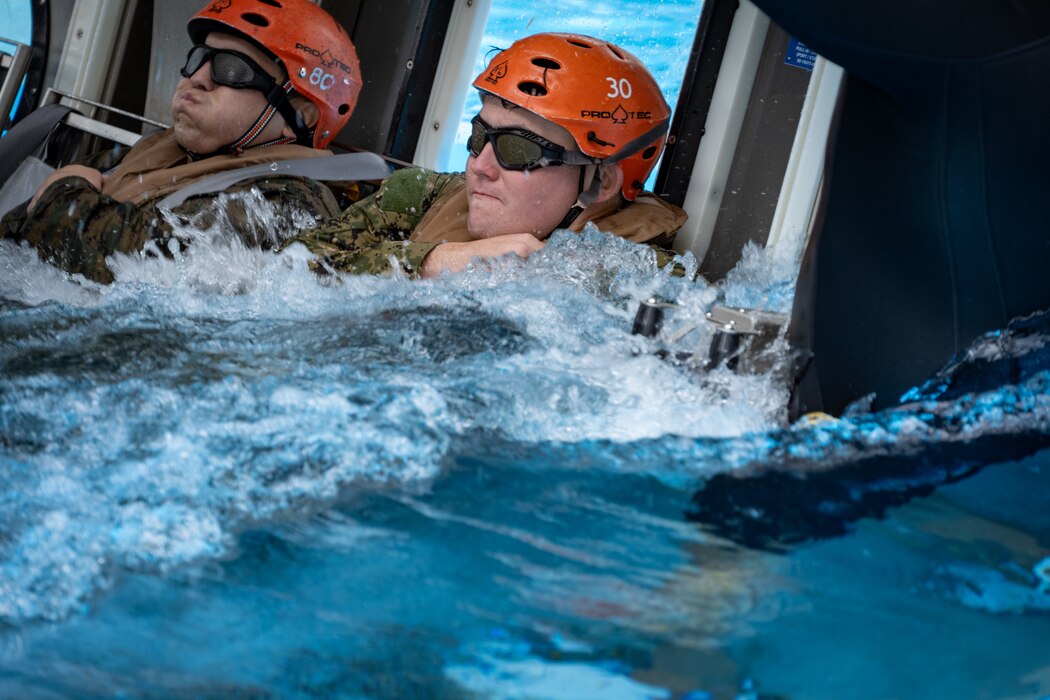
column 482, row 227
column 191, row 141
column 486, row 217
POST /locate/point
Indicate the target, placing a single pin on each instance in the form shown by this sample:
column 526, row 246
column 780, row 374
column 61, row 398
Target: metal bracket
column 739, row 338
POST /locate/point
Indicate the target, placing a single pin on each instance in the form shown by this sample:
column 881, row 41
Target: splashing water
column 148, row 421
column 213, row 408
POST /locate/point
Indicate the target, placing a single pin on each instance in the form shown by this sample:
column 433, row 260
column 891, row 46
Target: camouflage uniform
column 76, row 227
column 372, row 232
column 383, row 227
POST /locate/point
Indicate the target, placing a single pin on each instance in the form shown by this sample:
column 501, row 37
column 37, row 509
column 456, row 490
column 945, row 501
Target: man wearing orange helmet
column 263, row 82
column 569, row 130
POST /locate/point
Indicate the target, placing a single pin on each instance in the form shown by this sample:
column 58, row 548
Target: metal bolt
column 80, row 33
column 437, row 126
column 302, row 72
column 409, row 64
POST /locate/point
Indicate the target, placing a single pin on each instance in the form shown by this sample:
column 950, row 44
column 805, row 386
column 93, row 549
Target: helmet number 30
column 619, row 87
column 321, row 79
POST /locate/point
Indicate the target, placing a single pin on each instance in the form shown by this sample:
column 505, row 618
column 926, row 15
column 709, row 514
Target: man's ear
column 612, row 183
column 308, row 111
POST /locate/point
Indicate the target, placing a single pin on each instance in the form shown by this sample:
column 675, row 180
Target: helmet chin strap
column 587, row 195
column 277, row 101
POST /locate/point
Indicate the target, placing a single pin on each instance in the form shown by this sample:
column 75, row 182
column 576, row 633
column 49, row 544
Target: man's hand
column 454, row 257
column 82, row 171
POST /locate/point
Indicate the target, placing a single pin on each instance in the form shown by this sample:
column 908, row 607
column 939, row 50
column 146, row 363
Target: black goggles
column 518, row 149
column 229, row 68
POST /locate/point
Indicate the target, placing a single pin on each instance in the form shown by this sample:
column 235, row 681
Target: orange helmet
column 320, row 59
column 600, row 93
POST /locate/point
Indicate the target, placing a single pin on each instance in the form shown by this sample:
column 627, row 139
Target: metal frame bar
column 52, row 95
column 729, row 100
column 694, row 101
column 95, row 126
column 17, row 66
column 455, row 70
column 800, row 189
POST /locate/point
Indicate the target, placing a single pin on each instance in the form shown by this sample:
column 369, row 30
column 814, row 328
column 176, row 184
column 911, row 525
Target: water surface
column 265, row 483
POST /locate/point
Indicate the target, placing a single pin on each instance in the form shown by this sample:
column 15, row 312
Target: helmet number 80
column 619, row 88
column 322, row 79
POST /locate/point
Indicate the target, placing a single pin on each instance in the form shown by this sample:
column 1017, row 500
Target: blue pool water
column 265, row 484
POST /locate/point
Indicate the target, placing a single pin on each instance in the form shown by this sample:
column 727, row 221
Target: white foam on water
column 514, row 679
column 221, row 386
column 147, row 422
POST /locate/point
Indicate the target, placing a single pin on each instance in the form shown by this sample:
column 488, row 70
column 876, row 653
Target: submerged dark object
column 935, row 222
column 783, row 502
column 776, row 508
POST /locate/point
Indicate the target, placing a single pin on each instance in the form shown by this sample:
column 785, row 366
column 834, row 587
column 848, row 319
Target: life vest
column 157, row 166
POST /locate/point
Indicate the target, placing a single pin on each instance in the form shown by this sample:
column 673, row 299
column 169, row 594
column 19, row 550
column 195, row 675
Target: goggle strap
column 637, row 144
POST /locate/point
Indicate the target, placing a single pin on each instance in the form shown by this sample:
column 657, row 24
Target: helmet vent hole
column 343, row 109
column 649, row 152
column 576, row 42
column 546, row 63
column 532, row 89
column 257, row 20
column 616, row 52
column 271, row 3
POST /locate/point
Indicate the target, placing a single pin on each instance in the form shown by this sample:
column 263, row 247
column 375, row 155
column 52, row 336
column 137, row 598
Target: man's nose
column 202, row 76
column 485, row 163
